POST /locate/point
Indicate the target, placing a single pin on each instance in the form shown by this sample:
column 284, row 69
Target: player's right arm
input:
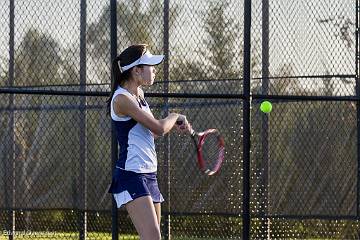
column 127, row 106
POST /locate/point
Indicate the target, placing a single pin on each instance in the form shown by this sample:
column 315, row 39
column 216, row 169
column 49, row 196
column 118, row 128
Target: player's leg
column 158, row 211
column 143, row 215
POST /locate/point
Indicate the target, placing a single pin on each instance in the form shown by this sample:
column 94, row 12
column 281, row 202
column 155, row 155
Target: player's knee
column 152, row 234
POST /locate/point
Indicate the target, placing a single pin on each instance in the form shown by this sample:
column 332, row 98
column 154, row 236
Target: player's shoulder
column 121, row 97
column 124, row 100
column 121, row 93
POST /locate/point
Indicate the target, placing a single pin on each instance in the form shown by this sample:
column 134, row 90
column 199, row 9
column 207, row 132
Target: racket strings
column 210, row 150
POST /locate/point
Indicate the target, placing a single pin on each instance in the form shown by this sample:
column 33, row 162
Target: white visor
column 146, row 59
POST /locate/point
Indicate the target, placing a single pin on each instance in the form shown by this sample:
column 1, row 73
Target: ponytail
column 118, row 78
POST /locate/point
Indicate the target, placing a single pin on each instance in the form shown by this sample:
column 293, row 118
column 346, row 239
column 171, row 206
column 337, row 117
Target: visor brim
column 152, row 60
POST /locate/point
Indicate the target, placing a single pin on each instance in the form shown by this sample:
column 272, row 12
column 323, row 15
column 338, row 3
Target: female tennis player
column 134, row 182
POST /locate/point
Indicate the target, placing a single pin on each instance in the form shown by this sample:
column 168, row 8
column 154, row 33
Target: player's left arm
column 142, row 95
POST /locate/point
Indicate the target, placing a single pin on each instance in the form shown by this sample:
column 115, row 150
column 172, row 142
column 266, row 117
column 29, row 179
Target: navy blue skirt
column 127, row 186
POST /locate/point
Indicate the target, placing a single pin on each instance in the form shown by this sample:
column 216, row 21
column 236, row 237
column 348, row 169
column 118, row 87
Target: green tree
column 135, row 24
column 221, row 42
column 3, row 72
column 38, row 60
column 219, row 52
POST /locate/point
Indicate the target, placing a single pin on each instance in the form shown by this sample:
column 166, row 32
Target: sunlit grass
column 91, row 236
column 22, row 235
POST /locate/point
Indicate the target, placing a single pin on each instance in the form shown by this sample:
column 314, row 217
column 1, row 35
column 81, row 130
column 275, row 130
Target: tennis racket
column 210, row 149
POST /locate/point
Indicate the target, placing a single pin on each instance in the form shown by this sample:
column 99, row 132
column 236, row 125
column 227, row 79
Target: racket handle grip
column 179, row 122
column 181, row 119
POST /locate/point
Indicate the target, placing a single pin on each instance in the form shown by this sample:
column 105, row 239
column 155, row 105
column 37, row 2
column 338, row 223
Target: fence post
column 82, row 216
column 246, row 120
column 357, row 90
column 265, row 223
column 114, row 146
column 166, row 226
column 10, row 162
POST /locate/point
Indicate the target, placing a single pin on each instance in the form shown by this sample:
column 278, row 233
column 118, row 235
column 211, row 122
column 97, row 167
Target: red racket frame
column 221, row 146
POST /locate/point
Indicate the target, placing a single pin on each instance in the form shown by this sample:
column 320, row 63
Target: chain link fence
column 299, row 178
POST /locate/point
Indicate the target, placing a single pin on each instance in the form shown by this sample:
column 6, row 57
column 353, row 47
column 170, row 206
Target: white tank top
column 137, row 148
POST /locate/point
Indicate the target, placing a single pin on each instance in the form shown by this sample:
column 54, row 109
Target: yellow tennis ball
column 266, row 107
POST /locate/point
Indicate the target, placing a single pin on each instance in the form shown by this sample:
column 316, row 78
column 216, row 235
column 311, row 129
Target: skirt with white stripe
column 127, row 186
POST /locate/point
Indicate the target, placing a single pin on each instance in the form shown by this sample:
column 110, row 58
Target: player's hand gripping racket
column 210, row 148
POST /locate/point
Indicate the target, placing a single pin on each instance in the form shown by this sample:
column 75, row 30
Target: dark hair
column 126, row 57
